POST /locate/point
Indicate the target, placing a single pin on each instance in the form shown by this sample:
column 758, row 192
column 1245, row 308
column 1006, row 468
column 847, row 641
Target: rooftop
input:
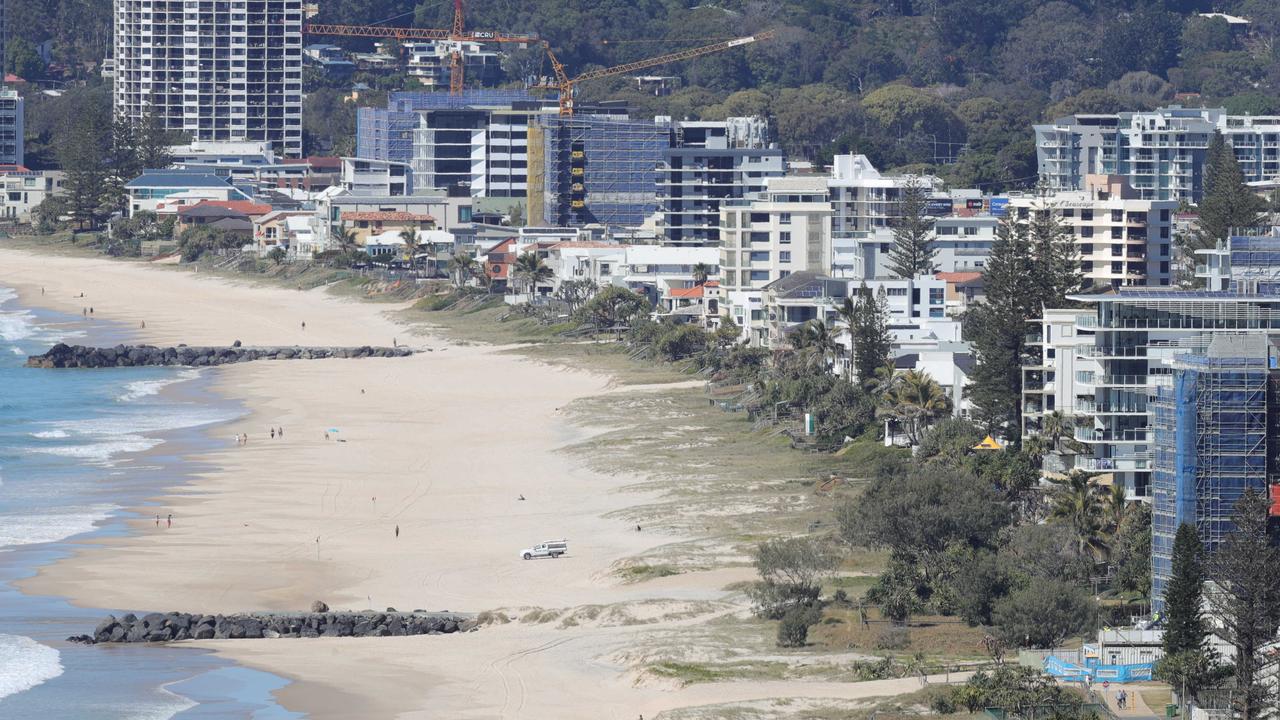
column 177, row 179
column 386, row 216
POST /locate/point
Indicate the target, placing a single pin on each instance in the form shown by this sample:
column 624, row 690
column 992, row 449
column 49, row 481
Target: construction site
column 573, row 166
column 1211, row 426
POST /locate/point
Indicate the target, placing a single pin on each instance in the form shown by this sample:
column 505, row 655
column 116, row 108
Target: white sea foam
column 101, row 451
column 25, row 663
column 19, row 325
column 50, row 434
column 145, row 388
column 28, row 528
column 180, row 416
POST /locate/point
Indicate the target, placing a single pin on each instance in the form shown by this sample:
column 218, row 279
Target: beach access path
column 439, row 445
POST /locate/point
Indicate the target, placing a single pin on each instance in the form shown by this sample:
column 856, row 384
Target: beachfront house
column 379, row 223
column 152, row 188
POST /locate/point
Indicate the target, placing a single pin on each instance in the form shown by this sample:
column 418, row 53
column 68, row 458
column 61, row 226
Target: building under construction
column 1213, row 425
column 592, row 169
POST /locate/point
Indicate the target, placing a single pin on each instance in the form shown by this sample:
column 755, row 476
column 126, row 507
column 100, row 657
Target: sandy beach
column 440, row 445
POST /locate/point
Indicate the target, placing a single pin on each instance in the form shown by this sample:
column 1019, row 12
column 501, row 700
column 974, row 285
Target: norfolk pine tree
column 1227, row 201
column 1244, row 598
column 1183, row 596
column 913, row 242
column 869, row 333
column 1188, row 664
column 997, row 329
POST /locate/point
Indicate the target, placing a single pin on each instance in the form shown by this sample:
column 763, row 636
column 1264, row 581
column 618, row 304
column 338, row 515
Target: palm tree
column 531, row 271
column 410, row 238
column 1058, row 431
column 462, row 267
column 816, row 343
column 914, row 400
column 1078, row 501
column 701, row 271
column 346, row 239
column 848, row 312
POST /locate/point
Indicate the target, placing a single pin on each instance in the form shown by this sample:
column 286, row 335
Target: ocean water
column 76, row 448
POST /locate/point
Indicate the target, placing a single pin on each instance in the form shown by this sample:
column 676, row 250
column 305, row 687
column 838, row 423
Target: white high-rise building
column 217, row 70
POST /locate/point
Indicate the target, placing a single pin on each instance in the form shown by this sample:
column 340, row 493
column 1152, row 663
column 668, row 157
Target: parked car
column 550, row 548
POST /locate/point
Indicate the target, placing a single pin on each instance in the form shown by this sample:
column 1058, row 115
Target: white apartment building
column 11, row 128
column 216, row 70
column 1051, row 385
column 22, row 191
column 867, row 202
column 381, row 178
column 1122, row 238
column 963, row 244
column 1161, row 153
column 711, row 163
column 786, row 228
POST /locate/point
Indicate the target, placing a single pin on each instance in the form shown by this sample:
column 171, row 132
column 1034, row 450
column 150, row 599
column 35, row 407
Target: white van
column 550, row 548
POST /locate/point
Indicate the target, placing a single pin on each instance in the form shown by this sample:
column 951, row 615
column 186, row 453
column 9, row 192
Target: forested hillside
column 953, row 83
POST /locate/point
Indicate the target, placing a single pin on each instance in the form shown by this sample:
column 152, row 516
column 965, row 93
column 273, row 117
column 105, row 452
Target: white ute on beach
column 550, row 548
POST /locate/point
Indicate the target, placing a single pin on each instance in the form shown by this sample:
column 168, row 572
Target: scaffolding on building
column 599, row 170
column 1210, row 430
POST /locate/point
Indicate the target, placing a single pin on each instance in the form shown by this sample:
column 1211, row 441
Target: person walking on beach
column 90, row 310
column 304, row 324
column 157, row 521
column 169, row 520
column 397, row 531
column 273, row 433
column 280, row 432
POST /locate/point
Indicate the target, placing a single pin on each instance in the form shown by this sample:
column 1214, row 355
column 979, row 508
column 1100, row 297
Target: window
column 1164, row 249
column 896, row 292
column 784, row 218
column 605, row 270
column 946, row 230
column 1086, row 248
column 936, row 296
column 759, row 275
column 760, row 256
column 759, row 217
column 1117, row 233
column 1050, row 353
column 1117, row 216
column 759, row 237
column 464, row 214
column 1086, row 231
column 784, row 256
column 784, row 237
column 971, row 231
column 1164, row 266
column 783, row 274
column 757, row 314
column 1068, row 213
column 1086, row 214
column 937, row 312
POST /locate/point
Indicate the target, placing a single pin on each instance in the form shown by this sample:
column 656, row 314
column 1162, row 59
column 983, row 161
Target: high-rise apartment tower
column 215, row 69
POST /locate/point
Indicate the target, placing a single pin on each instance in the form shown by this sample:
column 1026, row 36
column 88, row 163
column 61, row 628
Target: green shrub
column 793, row 631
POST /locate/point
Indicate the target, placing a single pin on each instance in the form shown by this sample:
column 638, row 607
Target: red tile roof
column 385, row 216
column 958, row 277
column 693, row 292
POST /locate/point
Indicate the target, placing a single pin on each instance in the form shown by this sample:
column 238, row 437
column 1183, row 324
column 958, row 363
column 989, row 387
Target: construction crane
column 456, row 34
column 565, row 84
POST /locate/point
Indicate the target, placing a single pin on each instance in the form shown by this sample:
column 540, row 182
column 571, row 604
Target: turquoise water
column 76, row 447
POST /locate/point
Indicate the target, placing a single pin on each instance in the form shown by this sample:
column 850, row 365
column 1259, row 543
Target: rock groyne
column 166, row 627
column 83, row 356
